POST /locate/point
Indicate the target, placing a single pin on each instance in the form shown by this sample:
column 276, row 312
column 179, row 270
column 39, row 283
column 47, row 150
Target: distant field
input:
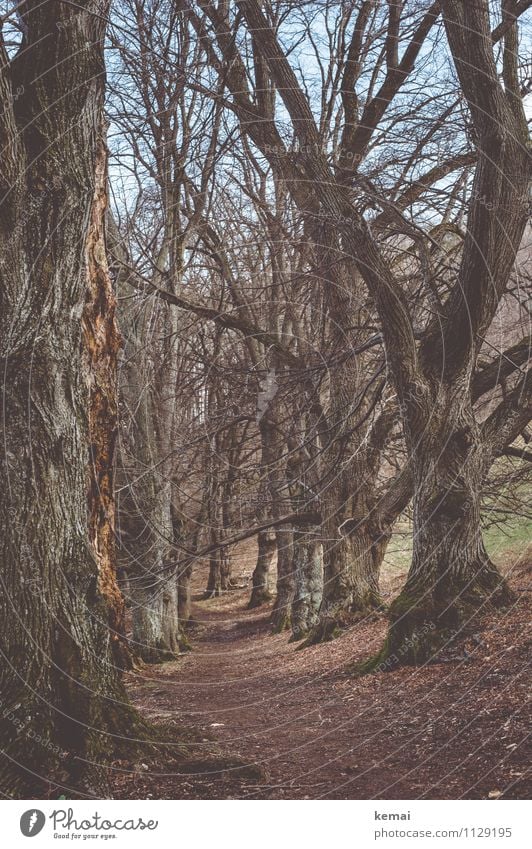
column 510, row 540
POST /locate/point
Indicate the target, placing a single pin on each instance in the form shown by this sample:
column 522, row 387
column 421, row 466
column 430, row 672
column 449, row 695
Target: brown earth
column 457, row 728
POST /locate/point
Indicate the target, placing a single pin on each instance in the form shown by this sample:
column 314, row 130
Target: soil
column 456, row 728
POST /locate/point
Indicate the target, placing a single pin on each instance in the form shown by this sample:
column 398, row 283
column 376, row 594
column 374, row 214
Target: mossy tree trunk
column 61, row 688
column 357, row 529
column 352, row 567
column 451, row 577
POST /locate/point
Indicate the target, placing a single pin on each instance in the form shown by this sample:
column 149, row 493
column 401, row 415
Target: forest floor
column 456, row 728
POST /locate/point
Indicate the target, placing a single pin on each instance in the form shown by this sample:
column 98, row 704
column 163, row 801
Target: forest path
column 444, row 731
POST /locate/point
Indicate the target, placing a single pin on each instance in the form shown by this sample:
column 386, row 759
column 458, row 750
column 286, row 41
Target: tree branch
column 228, row 321
column 513, row 11
column 509, row 361
column 391, row 300
column 498, row 208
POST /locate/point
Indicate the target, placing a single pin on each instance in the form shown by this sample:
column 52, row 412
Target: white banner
column 263, row 825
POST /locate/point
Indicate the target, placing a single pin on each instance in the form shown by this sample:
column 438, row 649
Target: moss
column 371, row 600
column 281, row 622
column 423, row 623
column 258, row 598
column 407, row 603
column 326, row 630
column 336, row 622
column 377, row 663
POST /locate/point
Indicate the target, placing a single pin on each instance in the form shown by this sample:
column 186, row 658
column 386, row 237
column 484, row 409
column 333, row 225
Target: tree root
column 422, row 627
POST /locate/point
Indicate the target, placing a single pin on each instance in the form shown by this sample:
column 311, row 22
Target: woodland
column 266, row 388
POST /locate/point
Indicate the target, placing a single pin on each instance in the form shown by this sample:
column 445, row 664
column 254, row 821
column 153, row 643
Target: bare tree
column 170, row 146
column 451, row 572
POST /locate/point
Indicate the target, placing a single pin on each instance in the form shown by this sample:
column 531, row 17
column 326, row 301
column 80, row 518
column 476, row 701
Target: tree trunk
column 308, row 570
column 451, row 577
column 266, row 540
column 145, row 495
column 147, row 535
column 102, row 343
column 353, row 550
column 273, row 462
column 351, row 580
column 219, row 579
column 267, row 550
column 285, row 580
column 184, row 594
column 306, row 543
column 184, row 571
column 64, row 708
column 218, row 493
column 155, row 616
column 351, row 557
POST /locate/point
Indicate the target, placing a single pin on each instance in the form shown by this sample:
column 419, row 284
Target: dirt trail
column 450, row 730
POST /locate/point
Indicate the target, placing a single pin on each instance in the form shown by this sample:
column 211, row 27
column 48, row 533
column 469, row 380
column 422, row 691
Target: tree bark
column 267, row 550
column 285, row 580
column 146, row 536
column 183, row 571
column 351, row 559
column 145, row 492
column 155, row 637
column 351, row 579
column 102, row 343
column 184, row 595
column 266, row 540
column 308, row 571
column 153, row 590
column 219, row 580
column 451, row 577
column 64, row 711
column 273, row 462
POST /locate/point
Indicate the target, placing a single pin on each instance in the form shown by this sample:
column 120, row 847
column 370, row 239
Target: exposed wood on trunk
column 102, row 343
